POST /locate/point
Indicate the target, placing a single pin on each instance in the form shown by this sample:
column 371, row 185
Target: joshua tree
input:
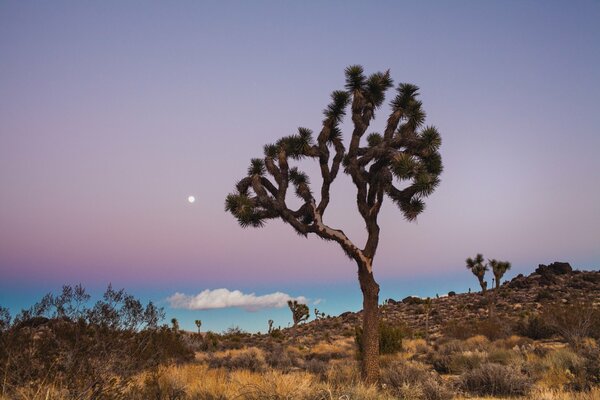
column 175, row 324
column 198, row 324
column 299, row 311
column 478, row 268
column 402, row 163
column 270, row 325
column 319, row 314
column 499, row 268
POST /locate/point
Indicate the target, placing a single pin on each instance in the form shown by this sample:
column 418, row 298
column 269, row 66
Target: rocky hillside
column 521, row 297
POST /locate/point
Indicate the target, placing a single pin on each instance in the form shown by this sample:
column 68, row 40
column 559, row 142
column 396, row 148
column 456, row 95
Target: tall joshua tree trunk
column 370, row 345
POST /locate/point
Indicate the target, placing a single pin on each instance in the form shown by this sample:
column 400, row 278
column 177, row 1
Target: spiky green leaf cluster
column 412, row 208
column 335, row 134
column 355, row 78
column 499, row 267
column 430, row 140
column 243, row 209
column 270, row 150
column 337, row 108
column 295, row 146
column 300, row 181
column 476, row 265
column 376, row 86
column 257, row 167
column 373, row 139
column 298, row 177
column 404, row 165
column 406, row 93
column 433, row 163
column 425, row 183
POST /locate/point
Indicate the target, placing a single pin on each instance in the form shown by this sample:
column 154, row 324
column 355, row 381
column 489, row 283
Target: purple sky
column 111, row 114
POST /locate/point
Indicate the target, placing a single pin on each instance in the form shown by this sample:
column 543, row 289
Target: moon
column 191, row 199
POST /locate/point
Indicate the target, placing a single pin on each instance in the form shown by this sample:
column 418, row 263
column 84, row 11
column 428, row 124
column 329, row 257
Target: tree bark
column 370, row 338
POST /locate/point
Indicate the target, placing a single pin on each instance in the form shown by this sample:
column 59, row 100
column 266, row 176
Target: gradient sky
column 112, row 113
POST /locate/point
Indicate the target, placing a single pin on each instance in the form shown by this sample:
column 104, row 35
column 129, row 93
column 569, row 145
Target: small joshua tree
column 478, row 268
column 499, row 268
column 270, row 326
column 403, row 164
column 299, row 311
column 175, row 324
column 198, row 324
column 319, row 314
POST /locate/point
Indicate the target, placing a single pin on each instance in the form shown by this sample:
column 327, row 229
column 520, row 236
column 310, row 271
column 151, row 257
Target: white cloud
column 225, row 298
column 317, row 302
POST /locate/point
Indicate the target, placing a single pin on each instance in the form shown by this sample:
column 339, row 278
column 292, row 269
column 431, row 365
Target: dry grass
column 201, row 382
column 329, row 371
column 545, row 394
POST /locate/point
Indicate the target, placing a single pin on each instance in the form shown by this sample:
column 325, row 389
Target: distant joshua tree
column 319, row 314
column 403, row 164
column 270, row 325
column 198, row 324
column 499, row 268
column 478, row 268
column 175, row 324
column 299, row 311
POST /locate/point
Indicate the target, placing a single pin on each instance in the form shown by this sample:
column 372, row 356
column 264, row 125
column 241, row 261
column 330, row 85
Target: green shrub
column 390, row 339
column 534, row 327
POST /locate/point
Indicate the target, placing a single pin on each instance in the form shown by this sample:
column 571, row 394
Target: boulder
column 556, row 268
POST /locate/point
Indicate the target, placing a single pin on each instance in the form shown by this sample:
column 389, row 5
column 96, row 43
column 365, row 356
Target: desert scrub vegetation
column 66, row 347
column 84, row 351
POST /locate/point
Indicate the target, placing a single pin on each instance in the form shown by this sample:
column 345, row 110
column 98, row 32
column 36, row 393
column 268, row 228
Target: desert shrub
column 343, row 373
column 410, row 380
column 390, row 339
column 573, row 321
column 250, row 359
column 495, row 380
column 544, row 295
column 465, row 361
column 451, row 293
column 277, row 334
column 317, row 367
column 440, row 357
column 280, row 359
column 456, row 329
column 503, row 357
column 574, row 370
column 210, row 341
column 86, row 350
column 513, row 341
column 590, row 353
column 534, row 327
column 492, row 328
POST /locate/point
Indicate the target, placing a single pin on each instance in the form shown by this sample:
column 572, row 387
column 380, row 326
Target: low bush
column 573, row 321
column 390, row 339
column 414, row 381
column 280, row 359
column 466, row 361
column 249, row 359
column 495, row 380
column 534, row 327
